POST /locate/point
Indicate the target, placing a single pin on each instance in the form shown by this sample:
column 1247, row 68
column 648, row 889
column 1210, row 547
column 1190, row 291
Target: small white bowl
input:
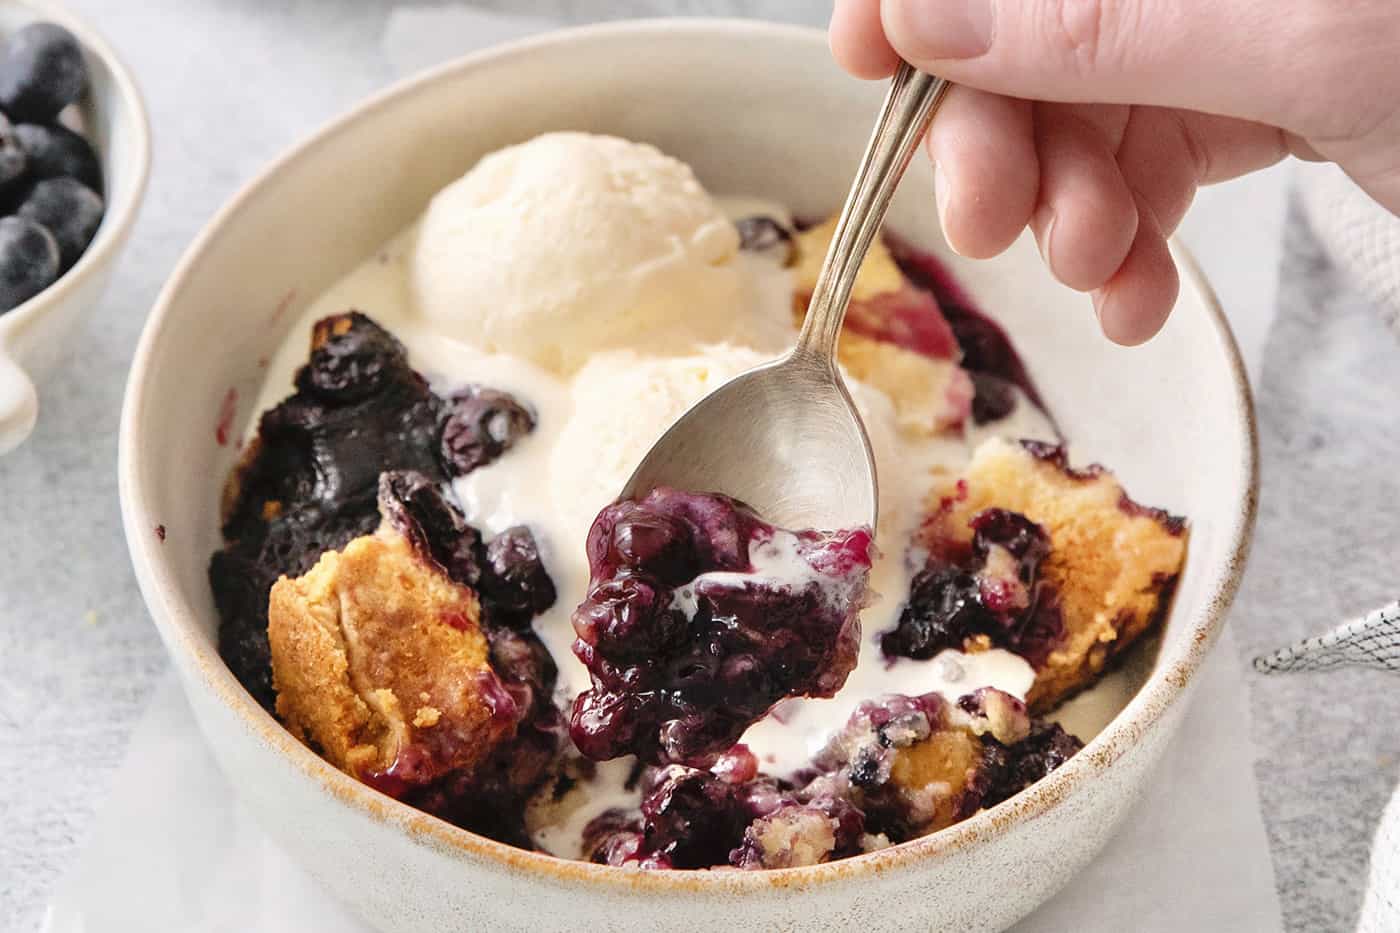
column 114, row 120
column 755, row 108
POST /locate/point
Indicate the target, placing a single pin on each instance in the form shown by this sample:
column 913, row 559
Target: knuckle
column 1195, row 148
column 1091, row 36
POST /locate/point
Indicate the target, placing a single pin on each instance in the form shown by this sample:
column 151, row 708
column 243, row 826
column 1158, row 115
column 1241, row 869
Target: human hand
column 1095, row 121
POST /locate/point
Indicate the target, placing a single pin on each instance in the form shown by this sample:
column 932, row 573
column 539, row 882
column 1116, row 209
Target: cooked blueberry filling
column 515, row 586
column 415, row 505
column 861, row 793
column 361, row 439
column 480, row 425
column 688, row 642
column 693, row 818
column 1046, row 748
column 615, row 838
column 986, row 349
column 991, row 589
column 311, row 481
column 994, row 398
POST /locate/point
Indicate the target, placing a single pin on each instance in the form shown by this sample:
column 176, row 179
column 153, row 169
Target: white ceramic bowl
column 32, row 335
column 754, row 108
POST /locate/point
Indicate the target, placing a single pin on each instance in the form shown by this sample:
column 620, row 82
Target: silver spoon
column 785, row 438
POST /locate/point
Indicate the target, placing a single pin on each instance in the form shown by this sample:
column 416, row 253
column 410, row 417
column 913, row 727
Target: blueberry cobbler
column 426, row 577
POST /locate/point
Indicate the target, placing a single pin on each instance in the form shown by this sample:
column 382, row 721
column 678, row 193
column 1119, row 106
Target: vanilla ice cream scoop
column 571, row 243
column 623, row 402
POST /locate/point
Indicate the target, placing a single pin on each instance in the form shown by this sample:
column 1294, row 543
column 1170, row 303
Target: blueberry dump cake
column 426, row 577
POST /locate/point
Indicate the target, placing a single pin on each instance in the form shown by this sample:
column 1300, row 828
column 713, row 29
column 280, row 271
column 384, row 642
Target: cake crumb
column 427, row 717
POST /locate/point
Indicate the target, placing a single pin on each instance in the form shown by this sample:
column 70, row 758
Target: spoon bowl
column 784, row 438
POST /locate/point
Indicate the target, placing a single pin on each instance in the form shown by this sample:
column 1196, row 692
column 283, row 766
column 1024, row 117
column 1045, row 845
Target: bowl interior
column 764, row 112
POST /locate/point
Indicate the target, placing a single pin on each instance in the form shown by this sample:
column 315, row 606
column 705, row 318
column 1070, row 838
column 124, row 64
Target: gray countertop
column 232, row 82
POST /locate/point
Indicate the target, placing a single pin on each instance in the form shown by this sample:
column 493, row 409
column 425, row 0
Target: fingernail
column 1043, row 223
column 941, row 28
column 942, row 198
column 1097, row 297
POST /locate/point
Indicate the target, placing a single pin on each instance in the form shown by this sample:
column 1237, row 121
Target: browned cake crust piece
column 380, row 663
column 1112, row 563
column 929, row 395
column 918, row 369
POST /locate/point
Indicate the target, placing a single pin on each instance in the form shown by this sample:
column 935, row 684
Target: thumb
column 1254, row 59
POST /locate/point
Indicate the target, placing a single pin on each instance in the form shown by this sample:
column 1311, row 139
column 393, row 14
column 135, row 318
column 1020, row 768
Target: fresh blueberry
column 28, row 260
column 43, row 72
column 55, row 151
column 13, row 160
column 70, row 209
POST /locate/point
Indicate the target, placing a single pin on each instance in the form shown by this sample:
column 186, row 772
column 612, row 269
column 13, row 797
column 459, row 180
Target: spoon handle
column 913, row 97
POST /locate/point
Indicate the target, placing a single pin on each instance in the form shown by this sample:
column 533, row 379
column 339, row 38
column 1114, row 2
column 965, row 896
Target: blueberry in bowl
column 74, row 157
column 29, row 259
column 43, row 72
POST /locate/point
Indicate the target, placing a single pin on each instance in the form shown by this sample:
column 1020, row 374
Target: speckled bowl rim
column 1173, row 672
